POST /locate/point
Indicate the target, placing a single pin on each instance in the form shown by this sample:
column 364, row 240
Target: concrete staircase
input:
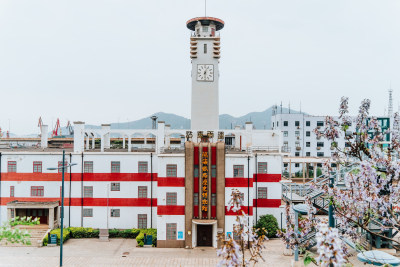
column 37, row 232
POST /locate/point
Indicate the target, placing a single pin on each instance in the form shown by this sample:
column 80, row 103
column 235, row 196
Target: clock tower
column 205, row 54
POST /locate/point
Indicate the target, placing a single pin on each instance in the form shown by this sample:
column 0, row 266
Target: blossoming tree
column 233, row 251
column 372, row 190
column 12, row 234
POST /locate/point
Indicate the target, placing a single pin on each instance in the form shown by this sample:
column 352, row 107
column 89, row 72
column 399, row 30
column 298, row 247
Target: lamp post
column 63, row 167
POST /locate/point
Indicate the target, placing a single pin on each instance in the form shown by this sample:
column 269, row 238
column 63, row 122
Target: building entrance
column 204, row 235
column 41, row 214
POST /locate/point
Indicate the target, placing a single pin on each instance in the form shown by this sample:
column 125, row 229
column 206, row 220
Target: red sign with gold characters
column 204, row 183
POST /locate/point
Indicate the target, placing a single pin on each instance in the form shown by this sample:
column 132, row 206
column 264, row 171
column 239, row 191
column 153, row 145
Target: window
column 196, row 171
column 320, row 154
column 171, row 170
column 238, row 171
column 142, row 167
column 12, row 166
column 308, row 144
column 308, row 123
column 115, row 213
column 347, row 144
column 320, row 123
column 195, row 199
column 60, row 165
column 262, row 167
column 308, row 154
column 142, row 191
column 87, row 212
column 320, row 144
column 297, row 123
column 285, row 134
column 285, row 165
column 297, row 165
column 37, row 166
column 115, row 186
column 297, row 133
column 273, row 125
column 333, row 165
column 213, row 171
column 213, row 199
column 142, row 221
column 88, row 167
column 297, row 144
column 263, row 192
column 171, row 231
column 171, row 198
column 297, row 154
column 115, row 167
column 205, row 48
column 285, row 123
column 285, row 144
column 308, row 133
column 88, row 191
column 37, row 191
column 12, row 213
column 205, row 29
column 12, row 191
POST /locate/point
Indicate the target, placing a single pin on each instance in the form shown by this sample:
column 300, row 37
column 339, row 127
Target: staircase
column 37, row 233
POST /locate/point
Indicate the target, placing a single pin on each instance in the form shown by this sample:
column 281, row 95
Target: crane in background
column 57, row 129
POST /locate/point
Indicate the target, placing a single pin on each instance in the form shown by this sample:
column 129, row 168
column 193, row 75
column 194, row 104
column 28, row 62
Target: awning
column 199, row 221
column 32, row 204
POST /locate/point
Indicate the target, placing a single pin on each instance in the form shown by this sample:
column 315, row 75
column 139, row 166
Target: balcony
column 298, row 148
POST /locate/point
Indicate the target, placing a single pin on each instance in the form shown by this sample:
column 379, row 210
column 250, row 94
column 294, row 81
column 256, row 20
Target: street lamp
column 63, row 167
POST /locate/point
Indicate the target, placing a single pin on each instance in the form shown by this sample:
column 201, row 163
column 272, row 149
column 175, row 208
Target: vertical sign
column 204, row 183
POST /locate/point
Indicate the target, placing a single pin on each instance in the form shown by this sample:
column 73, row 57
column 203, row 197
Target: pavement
column 123, row 252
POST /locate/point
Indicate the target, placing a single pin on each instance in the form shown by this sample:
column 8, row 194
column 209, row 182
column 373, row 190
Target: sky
column 120, row 60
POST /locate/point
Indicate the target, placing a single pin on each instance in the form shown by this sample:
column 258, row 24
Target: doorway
column 204, row 235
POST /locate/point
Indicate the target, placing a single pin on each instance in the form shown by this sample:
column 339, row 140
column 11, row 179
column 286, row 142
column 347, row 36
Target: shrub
column 268, row 223
column 150, row 231
column 141, row 244
column 81, row 232
column 66, row 236
column 128, row 233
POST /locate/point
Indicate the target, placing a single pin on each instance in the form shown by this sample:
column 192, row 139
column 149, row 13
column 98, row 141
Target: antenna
column 205, row 8
column 300, row 106
column 390, row 108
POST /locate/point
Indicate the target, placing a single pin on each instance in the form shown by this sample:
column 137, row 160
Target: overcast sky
column 119, row 60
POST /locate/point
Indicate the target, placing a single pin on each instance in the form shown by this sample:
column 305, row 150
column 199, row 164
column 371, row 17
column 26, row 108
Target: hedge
column 150, row 231
column 66, row 236
column 83, row 232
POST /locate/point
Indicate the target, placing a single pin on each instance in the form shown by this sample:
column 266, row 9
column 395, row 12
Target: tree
column 12, row 234
column 233, row 251
column 372, row 192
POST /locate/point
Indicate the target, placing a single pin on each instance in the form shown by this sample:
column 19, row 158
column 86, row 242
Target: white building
column 179, row 186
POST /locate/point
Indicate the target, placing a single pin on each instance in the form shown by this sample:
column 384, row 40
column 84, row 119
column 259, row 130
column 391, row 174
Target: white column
column 106, row 132
column 79, row 136
column 123, row 142
column 160, row 138
column 102, row 143
column 93, row 142
column 249, row 133
column 87, row 142
column 315, row 172
column 129, row 144
column 44, row 136
column 167, row 136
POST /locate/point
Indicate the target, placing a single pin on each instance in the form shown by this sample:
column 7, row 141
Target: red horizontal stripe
column 267, row 177
column 238, row 182
column 171, row 181
column 232, row 213
column 171, row 210
column 101, row 202
column 267, row 203
column 99, row 177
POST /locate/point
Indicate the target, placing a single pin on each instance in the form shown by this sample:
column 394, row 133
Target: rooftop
column 191, row 24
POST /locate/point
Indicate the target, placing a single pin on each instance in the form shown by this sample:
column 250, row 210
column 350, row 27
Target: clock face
column 205, row 72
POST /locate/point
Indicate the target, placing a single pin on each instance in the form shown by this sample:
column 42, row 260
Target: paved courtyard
column 123, row 252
